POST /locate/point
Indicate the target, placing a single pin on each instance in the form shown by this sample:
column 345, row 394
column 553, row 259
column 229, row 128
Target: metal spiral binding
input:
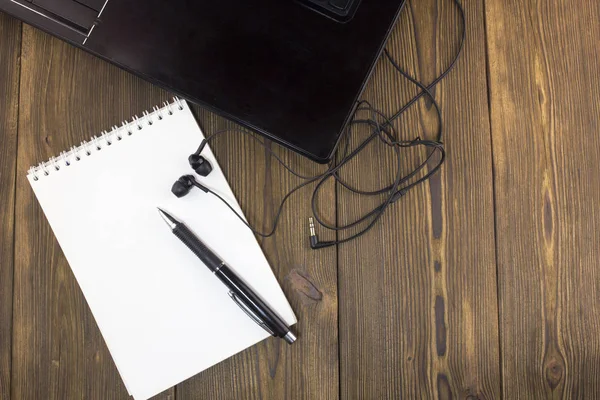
column 106, row 138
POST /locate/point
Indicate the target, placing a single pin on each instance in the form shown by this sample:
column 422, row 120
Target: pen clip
column 250, row 313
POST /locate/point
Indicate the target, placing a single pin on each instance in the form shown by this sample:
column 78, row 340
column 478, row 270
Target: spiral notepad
column 162, row 314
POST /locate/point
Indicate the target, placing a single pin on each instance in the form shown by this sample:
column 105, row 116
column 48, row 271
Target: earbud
column 200, row 164
column 183, row 185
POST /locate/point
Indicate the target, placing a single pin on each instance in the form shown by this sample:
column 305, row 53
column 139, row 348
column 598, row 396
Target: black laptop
column 291, row 70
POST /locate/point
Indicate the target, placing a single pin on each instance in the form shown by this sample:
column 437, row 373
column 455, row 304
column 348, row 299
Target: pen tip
column 172, row 222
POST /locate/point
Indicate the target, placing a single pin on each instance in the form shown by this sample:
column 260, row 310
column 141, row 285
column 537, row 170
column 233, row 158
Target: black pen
column 239, row 292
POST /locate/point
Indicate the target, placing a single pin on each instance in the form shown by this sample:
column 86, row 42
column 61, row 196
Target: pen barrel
column 252, row 301
column 205, row 254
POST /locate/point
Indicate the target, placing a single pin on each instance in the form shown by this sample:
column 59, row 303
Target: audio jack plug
column 314, row 239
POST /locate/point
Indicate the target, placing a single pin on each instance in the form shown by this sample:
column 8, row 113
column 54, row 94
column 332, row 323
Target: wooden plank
column 10, row 49
column 544, row 85
column 272, row 369
column 66, row 96
column 418, row 306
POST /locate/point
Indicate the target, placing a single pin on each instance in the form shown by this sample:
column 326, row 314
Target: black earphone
column 201, row 166
column 184, row 184
column 198, row 163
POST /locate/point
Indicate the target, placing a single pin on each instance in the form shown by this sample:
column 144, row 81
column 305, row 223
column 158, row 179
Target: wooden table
column 484, row 283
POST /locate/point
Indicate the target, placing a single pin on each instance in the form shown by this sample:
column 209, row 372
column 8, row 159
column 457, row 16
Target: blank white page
column 162, row 313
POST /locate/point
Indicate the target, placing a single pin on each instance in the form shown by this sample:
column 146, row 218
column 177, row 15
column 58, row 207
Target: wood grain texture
column 418, row 306
column 417, row 296
column 10, row 49
column 544, row 84
column 66, row 96
column 272, row 369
